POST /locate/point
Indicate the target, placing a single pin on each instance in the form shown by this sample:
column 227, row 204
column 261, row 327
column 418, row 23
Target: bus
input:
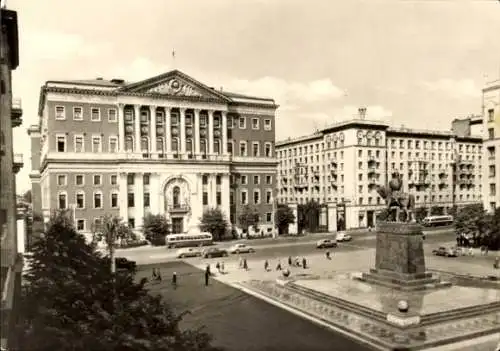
column 434, row 221
column 189, row 239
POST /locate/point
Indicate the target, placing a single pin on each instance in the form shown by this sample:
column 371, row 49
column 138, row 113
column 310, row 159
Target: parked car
column 446, row 252
column 188, row 252
column 124, row 264
column 214, row 252
column 341, row 236
column 325, row 243
column 241, row 248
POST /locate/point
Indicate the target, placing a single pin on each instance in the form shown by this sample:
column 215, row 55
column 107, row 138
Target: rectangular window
column 80, row 200
column 243, row 148
column 80, row 225
column 491, row 133
column 97, row 179
column 146, row 200
column 130, row 179
column 77, row 113
column 60, row 112
column 255, row 123
column 79, row 180
column 493, row 189
column 98, row 200
column 268, row 150
column 230, row 122
column 256, row 179
column 218, row 197
column 231, row 198
column 243, row 180
column 267, row 124
column 145, row 179
column 62, row 201
column 269, row 180
column 255, row 149
column 256, row 197
column 79, row 146
column 112, row 116
column 230, row 147
column 174, row 119
column 491, row 115
column 269, row 197
column 96, row 144
column 113, row 144
column 114, row 200
column 269, row 217
column 61, row 143
column 205, row 198
column 244, row 200
column 203, row 121
column 61, row 180
column 242, row 122
column 95, row 114
column 131, row 223
column 113, row 179
column 130, row 200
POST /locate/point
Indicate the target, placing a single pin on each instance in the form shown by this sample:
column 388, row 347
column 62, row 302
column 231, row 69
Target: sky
column 414, row 63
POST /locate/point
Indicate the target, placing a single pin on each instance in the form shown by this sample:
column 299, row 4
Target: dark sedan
column 214, row 252
column 443, row 251
column 123, row 264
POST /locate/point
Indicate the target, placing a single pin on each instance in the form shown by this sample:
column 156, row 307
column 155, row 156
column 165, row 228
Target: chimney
column 362, row 112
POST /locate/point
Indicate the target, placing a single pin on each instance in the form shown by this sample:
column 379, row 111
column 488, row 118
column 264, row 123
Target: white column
column 168, row 133
column 182, row 133
column 137, row 120
column 210, row 132
column 224, row 133
column 196, row 136
column 122, row 182
column 139, row 200
column 225, row 190
column 154, row 193
column 152, row 111
column 121, row 127
column 332, row 217
column 293, row 228
column 213, row 190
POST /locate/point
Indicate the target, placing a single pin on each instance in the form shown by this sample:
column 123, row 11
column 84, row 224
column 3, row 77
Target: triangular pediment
column 175, row 83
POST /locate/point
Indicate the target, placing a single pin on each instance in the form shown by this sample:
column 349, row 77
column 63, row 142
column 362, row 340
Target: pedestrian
column 158, row 274
column 174, row 279
column 297, row 261
column 266, row 265
column 496, row 265
column 207, row 276
column 222, row 267
column 328, row 255
column 471, row 252
column 289, row 260
column 245, row 264
column 207, row 270
column 153, row 274
column 304, row 263
column 278, row 266
column 217, row 266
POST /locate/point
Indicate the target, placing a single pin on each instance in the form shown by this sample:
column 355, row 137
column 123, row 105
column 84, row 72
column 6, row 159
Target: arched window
column 203, row 146
column 175, row 145
column 176, row 193
column 144, row 144
column 217, row 146
column 129, row 143
column 189, row 146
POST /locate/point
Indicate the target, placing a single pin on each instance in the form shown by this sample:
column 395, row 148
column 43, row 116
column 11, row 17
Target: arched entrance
column 177, row 204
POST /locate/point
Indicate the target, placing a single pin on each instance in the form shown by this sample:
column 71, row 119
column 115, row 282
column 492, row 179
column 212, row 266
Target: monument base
column 370, row 312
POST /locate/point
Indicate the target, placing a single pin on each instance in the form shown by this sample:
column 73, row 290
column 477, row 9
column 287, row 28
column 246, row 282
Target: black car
column 124, row 264
column 214, row 252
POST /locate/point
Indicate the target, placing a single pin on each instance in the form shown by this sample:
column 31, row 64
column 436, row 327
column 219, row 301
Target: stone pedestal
column 332, row 217
column 400, row 261
column 293, row 228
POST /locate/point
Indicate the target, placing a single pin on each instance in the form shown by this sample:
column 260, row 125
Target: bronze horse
column 397, row 201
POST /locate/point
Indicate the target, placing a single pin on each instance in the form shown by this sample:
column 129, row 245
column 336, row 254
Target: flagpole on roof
column 173, row 59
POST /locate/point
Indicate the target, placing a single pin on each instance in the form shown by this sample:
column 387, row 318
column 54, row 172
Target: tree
column 493, row 233
column 214, row 221
column 249, row 217
column 436, row 210
column 308, row 215
column 155, row 228
column 471, row 222
column 283, row 217
column 66, row 304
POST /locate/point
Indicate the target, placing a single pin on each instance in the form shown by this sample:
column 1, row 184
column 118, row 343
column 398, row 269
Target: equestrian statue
column 397, row 200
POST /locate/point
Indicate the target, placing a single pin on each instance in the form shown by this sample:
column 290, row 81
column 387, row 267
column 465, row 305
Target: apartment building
column 341, row 165
column 491, row 137
column 166, row 145
column 10, row 164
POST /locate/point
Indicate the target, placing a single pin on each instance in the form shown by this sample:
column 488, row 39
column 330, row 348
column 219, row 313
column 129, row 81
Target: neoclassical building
column 166, row 145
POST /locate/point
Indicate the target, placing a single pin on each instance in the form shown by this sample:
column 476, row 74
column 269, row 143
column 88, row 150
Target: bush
column 284, row 217
column 155, row 229
column 214, row 222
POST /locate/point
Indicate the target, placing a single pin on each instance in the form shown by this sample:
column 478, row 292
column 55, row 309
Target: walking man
column 278, row 266
column 266, row 265
column 304, row 263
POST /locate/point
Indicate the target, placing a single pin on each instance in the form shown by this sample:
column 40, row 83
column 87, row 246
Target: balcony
column 179, row 208
column 16, row 112
column 18, row 162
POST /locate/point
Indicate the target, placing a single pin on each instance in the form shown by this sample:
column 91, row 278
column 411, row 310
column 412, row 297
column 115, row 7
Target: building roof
column 9, row 20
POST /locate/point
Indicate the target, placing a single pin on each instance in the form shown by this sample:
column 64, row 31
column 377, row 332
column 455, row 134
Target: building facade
column 167, row 145
column 491, row 136
column 10, row 163
column 340, row 167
